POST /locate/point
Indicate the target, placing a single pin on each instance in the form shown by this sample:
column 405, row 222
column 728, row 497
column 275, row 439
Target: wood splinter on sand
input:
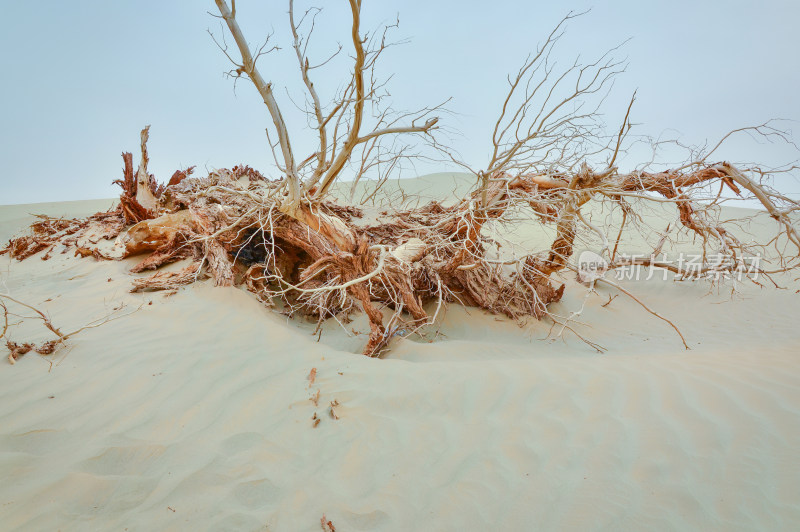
column 327, row 525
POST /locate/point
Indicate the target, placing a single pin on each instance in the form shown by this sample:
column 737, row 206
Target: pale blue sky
column 81, row 78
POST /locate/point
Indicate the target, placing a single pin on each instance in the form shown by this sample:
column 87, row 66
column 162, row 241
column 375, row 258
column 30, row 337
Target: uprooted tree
column 302, row 251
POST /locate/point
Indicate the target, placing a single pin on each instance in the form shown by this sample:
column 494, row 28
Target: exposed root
column 174, row 249
column 44, row 234
column 157, row 234
column 324, row 260
column 168, row 280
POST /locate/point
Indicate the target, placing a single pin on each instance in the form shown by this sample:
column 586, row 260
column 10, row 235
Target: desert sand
column 194, row 412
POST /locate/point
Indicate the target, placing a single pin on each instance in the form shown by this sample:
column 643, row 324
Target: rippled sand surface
column 193, row 413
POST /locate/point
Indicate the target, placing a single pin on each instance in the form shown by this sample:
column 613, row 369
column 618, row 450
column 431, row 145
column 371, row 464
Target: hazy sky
column 81, row 78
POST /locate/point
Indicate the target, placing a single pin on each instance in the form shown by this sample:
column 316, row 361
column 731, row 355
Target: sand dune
column 193, row 413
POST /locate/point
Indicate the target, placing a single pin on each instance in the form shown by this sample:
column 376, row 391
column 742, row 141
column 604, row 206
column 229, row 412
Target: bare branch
column 265, row 90
column 302, row 59
column 358, row 112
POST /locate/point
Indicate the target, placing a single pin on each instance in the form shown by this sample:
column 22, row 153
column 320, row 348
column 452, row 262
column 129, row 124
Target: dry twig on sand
column 48, row 347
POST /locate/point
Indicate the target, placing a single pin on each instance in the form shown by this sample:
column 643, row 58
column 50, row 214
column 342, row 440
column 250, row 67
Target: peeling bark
column 168, row 280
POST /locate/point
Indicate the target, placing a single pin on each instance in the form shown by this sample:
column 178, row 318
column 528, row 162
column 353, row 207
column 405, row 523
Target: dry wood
column 16, row 350
column 301, row 252
column 168, row 280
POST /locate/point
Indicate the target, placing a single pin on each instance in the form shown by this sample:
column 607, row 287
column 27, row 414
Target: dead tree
column 289, row 242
